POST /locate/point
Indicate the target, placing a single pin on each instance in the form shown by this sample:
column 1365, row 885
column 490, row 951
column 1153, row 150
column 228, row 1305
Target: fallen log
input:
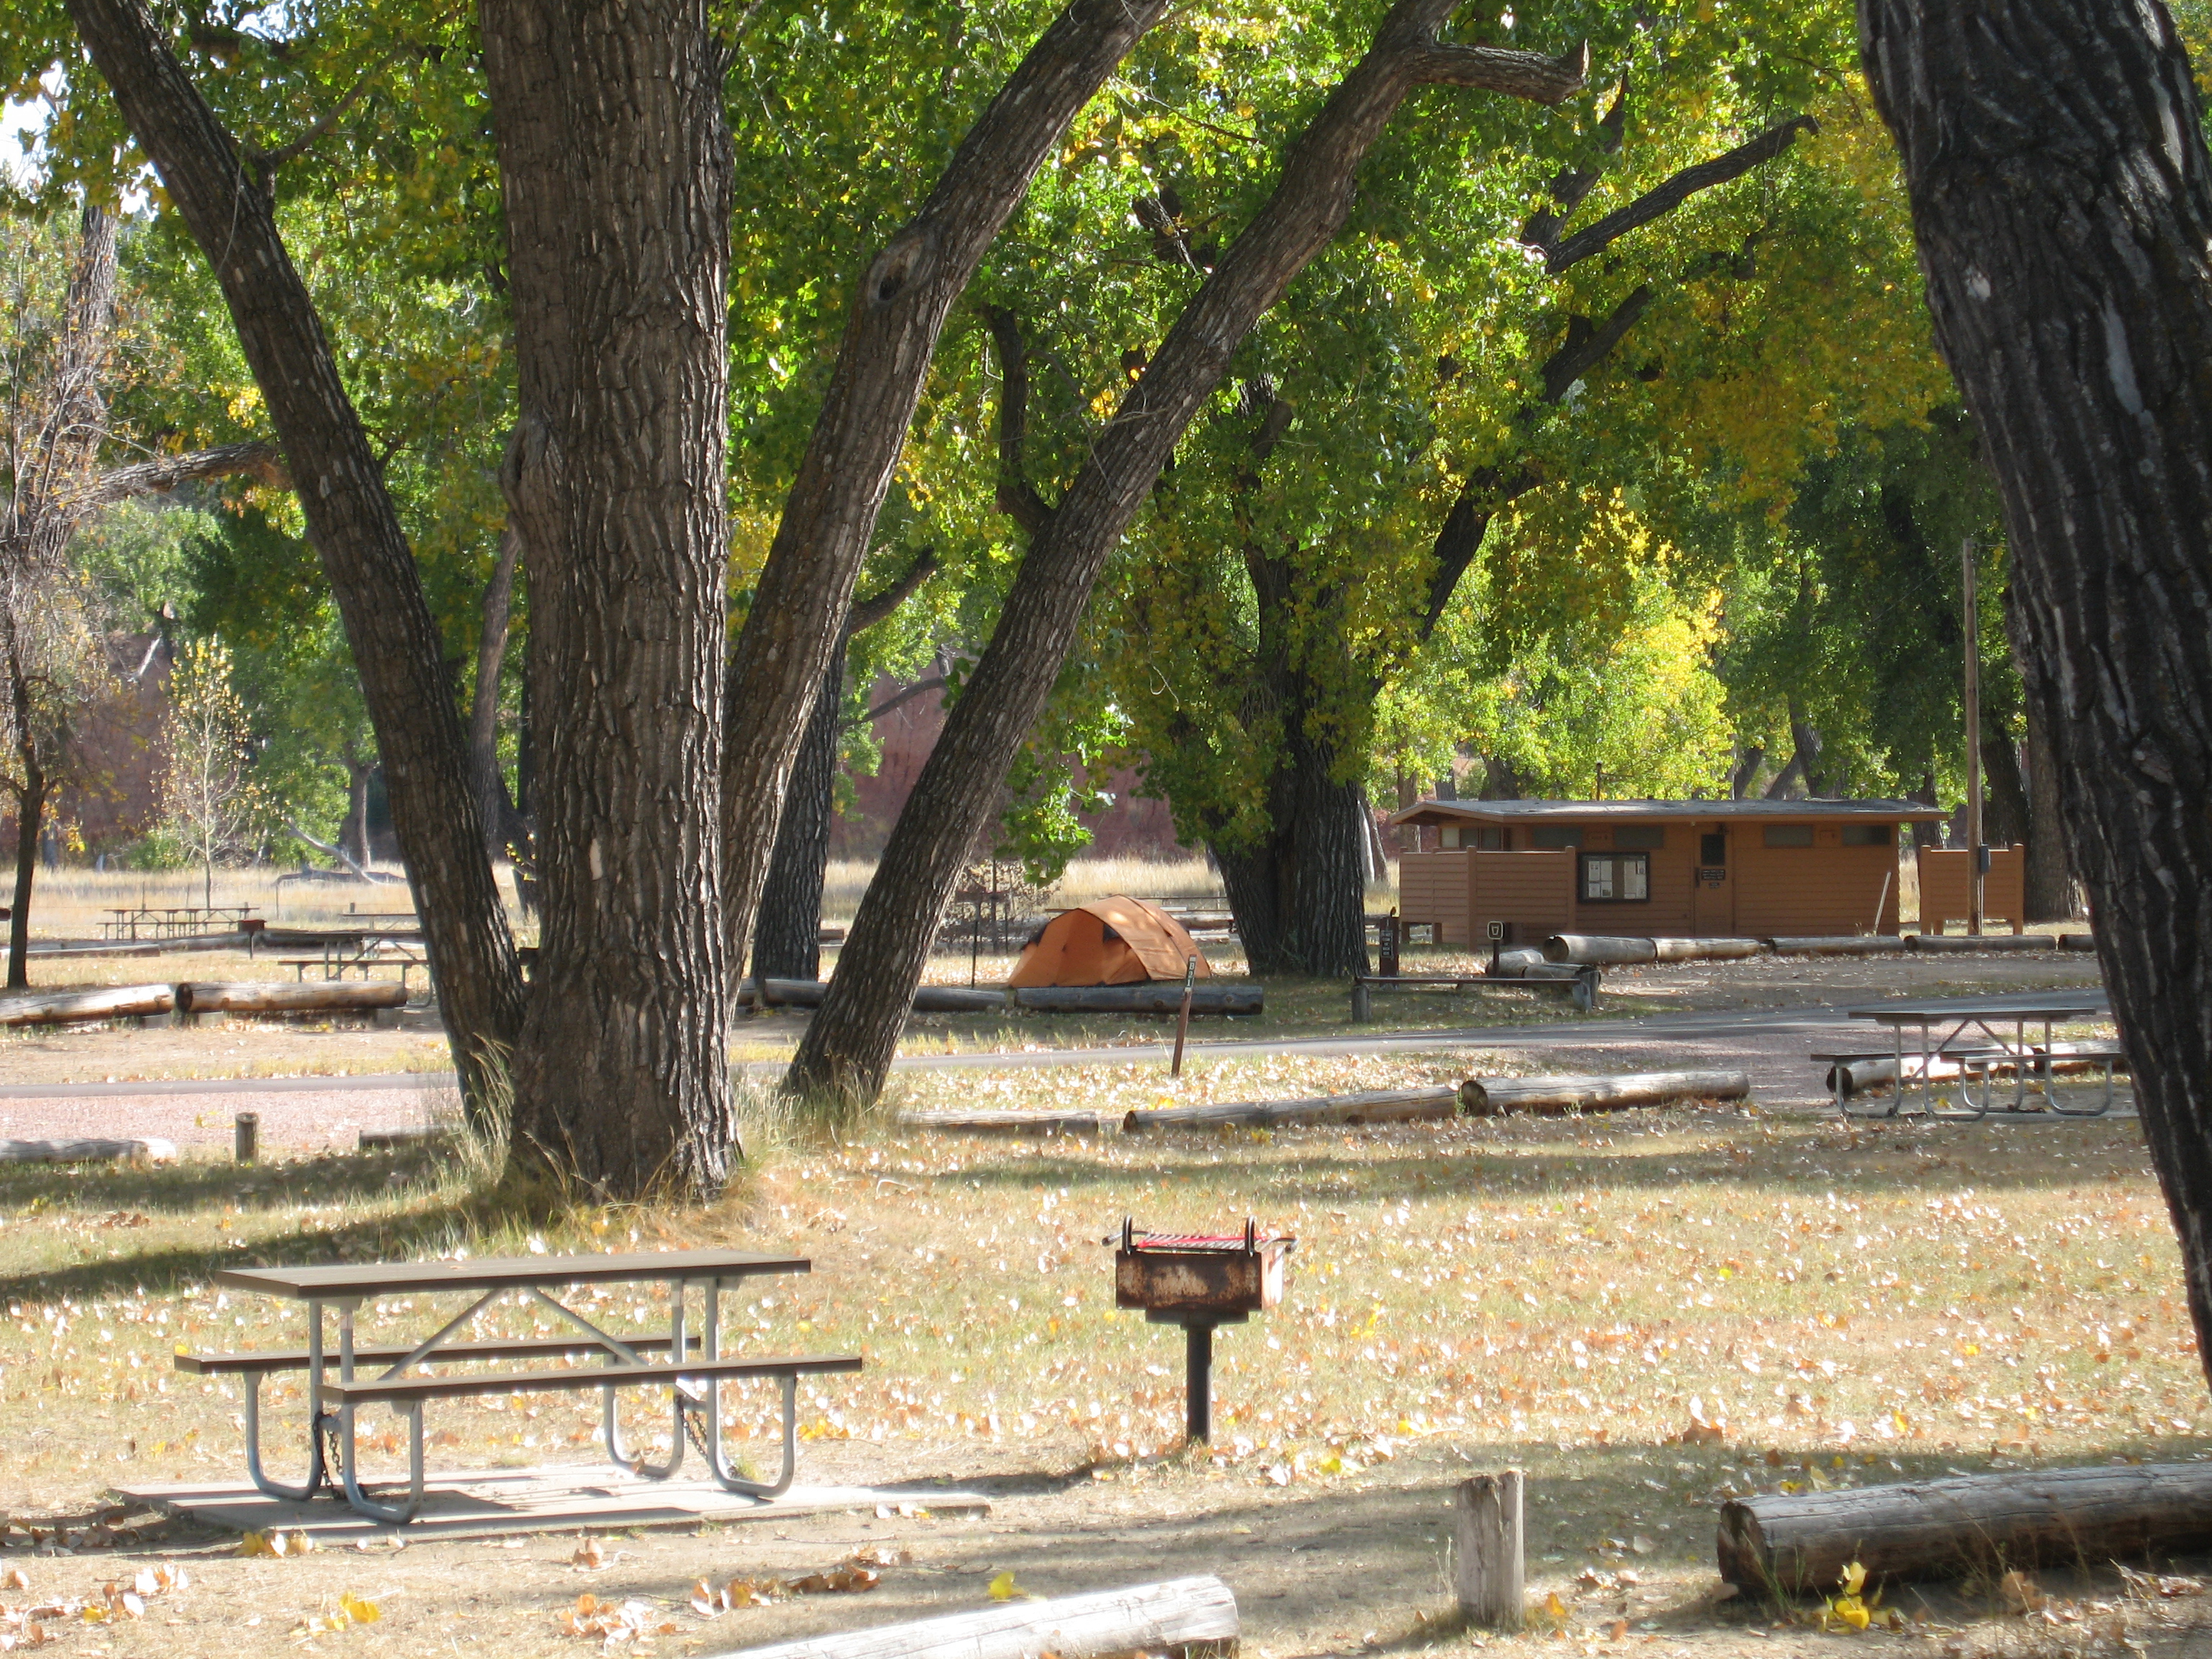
column 1150, row 998
column 1375, row 1106
column 1980, row 943
column 1788, row 1544
column 87, row 1151
column 2077, row 941
column 1009, row 1121
column 1187, row 1616
column 1153, row 997
column 1598, row 950
column 108, row 1002
column 1841, row 945
column 1495, row 1096
column 1706, row 949
column 313, row 996
column 1510, row 962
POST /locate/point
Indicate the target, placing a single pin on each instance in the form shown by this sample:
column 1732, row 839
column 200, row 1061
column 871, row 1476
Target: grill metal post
column 1199, row 1342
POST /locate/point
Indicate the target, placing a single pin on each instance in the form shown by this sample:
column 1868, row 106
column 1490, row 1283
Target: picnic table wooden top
column 502, row 1272
column 2088, row 1003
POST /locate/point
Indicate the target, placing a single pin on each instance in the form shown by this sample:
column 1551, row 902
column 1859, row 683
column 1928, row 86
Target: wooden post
column 1977, row 855
column 245, row 1137
column 1182, row 1015
column 1363, row 1008
column 1486, row 1557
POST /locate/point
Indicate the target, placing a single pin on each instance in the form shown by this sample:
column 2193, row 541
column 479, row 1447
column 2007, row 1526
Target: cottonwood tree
column 2062, row 199
column 58, row 367
column 223, row 191
column 849, row 1046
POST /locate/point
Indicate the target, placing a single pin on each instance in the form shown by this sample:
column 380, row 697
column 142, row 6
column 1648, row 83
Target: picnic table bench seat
column 527, row 1348
column 408, row 1390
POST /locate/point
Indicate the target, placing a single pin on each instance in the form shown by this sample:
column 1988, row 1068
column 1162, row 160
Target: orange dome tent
column 1109, row 941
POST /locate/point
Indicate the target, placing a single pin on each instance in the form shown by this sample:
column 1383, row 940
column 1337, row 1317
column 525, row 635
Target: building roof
column 1524, row 811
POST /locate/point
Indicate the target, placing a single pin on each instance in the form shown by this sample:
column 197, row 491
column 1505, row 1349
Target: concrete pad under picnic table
column 504, row 1502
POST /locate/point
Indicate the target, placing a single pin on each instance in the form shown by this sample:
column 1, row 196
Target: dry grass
column 1841, row 1303
column 73, row 902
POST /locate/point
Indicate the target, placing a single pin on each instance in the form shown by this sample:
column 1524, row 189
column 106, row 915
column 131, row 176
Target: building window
column 1491, row 840
column 1788, row 835
column 1712, row 848
column 1555, row 836
column 1616, row 877
column 1448, row 837
column 1649, row 837
column 1866, row 835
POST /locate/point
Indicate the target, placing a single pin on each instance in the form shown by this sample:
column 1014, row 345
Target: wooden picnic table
column 172, row 921
column 2018, row 1010
column 694, row 1366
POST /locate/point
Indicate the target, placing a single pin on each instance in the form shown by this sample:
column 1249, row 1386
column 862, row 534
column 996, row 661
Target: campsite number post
column 1182, row 1019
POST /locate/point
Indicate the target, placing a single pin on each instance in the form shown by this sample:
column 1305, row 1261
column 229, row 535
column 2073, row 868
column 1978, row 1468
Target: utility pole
column 1977, row 854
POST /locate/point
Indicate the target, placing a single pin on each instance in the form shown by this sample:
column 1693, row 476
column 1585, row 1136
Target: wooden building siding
column 1669, row 912
column 1459, row 893
column 1825, row 888
column 1432, row 891
column 1946, row 877
column 1531, row 892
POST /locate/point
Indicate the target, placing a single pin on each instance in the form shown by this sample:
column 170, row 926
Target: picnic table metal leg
column 316, row 1474
column 717, row 1462
column 348, row 1450
column 615, row 1450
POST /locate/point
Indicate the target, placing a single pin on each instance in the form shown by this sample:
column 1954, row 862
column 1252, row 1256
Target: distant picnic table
column 690, row 1362
column 136, row 921
column 1994, row 1049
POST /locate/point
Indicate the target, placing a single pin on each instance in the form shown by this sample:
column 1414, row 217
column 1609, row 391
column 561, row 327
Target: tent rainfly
column 1109, row 941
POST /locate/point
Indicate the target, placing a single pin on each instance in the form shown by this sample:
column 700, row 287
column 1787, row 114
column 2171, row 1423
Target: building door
column 1713, row 902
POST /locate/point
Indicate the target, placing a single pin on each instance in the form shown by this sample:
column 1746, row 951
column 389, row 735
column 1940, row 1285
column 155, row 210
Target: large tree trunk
column 848, row 1048
column 806, row 587
column 787, row 941
column 350, row 522
column 615, row 173
column 2061, row 198
column 483, row 704
column 352, row 832
column 30, row 818
column 2004, row 813
column 2049, row 895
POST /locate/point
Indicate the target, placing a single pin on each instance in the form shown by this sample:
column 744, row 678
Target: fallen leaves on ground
column 26, row 1625
column 349, row 1611
column 853, row 1576
column 275, row 1543
column 614, row 1623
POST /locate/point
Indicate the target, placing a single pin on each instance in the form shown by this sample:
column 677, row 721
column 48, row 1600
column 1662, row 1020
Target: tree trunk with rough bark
column 615, row 175
column 847, row 1050
column 899, row 310
column 352, row 832
column 30, row 818
column 2062, row 199
column 483, row 704
column 787, row 939
column 350, row 522
column 2049, row 893
column 2004, row 807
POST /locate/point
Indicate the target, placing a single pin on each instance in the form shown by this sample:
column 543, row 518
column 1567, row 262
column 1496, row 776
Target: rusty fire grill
column 1198, row 1281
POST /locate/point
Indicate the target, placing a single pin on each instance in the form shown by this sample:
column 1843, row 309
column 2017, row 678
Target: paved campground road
column 1770, row 1044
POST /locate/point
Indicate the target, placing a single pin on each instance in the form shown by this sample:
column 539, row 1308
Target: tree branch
column 899, row 699
column 265, row 163
column 1587, row 344
column 166, row 472
column 1665, row 198
column 867, row 613
column 1018, row 497
column 1527, row 74
column 1569, row 186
